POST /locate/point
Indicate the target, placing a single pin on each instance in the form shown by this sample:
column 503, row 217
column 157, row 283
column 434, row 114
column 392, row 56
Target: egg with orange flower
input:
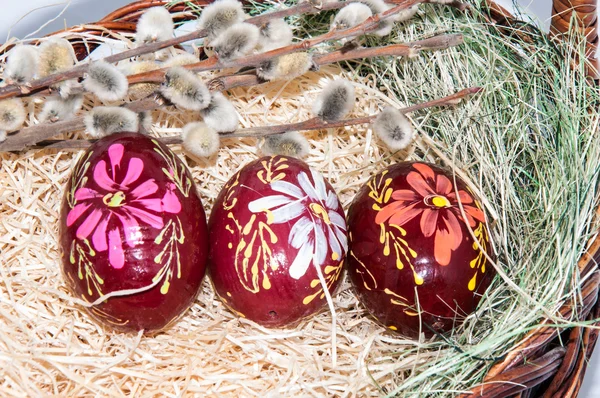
column 419, row 249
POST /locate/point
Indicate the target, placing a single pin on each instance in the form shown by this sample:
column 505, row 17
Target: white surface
column 540, row 11
column 19, row 18
column 22, row 18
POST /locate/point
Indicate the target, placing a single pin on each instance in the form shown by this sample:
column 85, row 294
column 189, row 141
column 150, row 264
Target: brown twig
column 39, row 132
column 261, row 131
column 213, row 63
column 409, row 49
column 38, row 85
column 432, row 43
column 406, row 50
column 13, row 90
column 34, row 134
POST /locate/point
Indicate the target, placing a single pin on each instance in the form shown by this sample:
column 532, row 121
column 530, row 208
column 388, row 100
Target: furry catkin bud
column 219, row 16
column 286, row 67
column 393, row 128
column 317, row 4
column 56, row 109
column 56, row 55
column 21, row 64
column 351, row 15
column 145, row 121
column 407, row 14
column 335, row 101
column 64, row 88
column 156, row 24
column 184, row 89
column 140, row 90
column 105, row 81
column 237, row 40
column 290, row 143
column 220, row 114
column 3, row 135
column 180, row 60
column 199, row 139
column 377, row 7
column 105, row 120
column 12, row 114
column 275, row 34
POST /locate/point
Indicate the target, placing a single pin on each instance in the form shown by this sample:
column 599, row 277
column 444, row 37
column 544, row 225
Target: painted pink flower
column 127, row 203
column 433, row 198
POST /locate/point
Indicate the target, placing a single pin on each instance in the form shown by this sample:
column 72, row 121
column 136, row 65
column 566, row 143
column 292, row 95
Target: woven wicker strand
column 537, row 365
column 536, row 359
column 581, row 15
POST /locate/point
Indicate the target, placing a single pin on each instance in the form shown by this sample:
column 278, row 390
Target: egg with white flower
column 278, row 240
column 133, row 233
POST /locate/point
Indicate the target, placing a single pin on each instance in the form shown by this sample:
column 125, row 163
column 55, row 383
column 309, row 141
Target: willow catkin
column 184, row 89
column 285, row 67
column 335, row 101
column 199, row 139
column 21, row 64
column 393, row 128
column 236, row 41
column 61, row 109
column 219, row 16
column 220, row 114
column 105, row 81
column 156, row 24
column 290, row 143
column 12, row 114
column 105, row 120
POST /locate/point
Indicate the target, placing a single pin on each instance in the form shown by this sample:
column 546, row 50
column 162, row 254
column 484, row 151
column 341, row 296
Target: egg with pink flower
column 133, row 233
column 419, row 248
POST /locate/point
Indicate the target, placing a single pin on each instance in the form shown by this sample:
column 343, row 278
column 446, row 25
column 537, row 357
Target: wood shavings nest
column 49, row 346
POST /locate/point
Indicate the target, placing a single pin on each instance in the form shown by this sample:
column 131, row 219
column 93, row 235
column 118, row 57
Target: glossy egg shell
column 273, row 223
column 407, row 235
column 130, row 219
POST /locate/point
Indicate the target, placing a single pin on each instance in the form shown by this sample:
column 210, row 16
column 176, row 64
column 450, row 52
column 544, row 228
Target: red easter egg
column 412, row 260
column 275, row 224
column 131, row 219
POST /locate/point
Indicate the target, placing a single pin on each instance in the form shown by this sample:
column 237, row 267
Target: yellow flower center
column 114, row 200
column 320, row 212
column 438, row 201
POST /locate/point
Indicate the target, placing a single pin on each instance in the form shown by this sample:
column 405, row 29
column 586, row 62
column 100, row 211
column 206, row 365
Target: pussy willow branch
column 369, row 25
column 14, row 90
column 36, row 133
column 433, row 43
column 213, row 63
column 409, row 49
column 261, row 131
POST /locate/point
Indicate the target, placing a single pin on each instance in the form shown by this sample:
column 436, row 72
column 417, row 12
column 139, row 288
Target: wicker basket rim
column 528, row 364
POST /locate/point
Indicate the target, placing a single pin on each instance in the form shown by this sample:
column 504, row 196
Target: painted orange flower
column 434, row 199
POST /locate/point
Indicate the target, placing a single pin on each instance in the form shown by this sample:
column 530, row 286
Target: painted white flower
column 317, row 224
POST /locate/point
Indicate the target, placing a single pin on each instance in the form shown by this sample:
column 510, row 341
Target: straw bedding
column 48, row 346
